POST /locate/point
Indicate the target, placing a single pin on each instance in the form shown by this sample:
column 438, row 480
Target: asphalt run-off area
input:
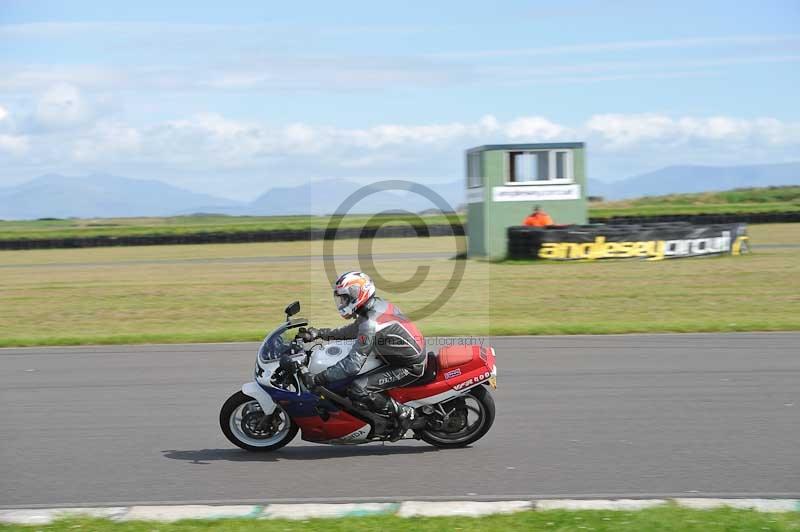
column 693, row 415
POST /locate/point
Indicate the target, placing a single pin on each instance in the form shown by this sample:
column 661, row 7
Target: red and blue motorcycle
column 454, row 407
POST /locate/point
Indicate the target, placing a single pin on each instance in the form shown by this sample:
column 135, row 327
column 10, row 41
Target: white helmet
column 351, row 292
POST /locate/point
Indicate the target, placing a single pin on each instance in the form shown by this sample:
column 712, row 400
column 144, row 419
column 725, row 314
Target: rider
column 381, row 328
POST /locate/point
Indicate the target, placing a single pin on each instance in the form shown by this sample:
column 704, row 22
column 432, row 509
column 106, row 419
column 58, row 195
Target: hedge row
column 398, row 231
column 722, row 218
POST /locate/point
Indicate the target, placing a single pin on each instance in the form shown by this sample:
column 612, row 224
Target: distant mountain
column 107, row 196
column 685, row 179
column 98, row 196
column 325, row 197
column 319, row 197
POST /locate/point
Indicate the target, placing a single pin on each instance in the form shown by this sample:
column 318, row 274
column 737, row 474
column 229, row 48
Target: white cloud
column 384, row 136
column 58, row 29
column 535, row 127
column 7, row 123
column 62, row 106
column 619, row 130
column 623, row 46
column 210, row 143
column 355, row 73
column 180, row 32
column 321, row 73
column 301, row 135
column 625, row 131
column 235, row 143
column 15, row 145
column 10, row 143
column 107, row 141
column 220, row 140
column 41, row 77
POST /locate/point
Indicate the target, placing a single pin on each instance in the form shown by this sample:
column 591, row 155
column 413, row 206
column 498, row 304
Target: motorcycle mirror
column 293, row 309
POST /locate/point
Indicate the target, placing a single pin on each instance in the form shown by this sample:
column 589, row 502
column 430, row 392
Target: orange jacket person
column 538, row 218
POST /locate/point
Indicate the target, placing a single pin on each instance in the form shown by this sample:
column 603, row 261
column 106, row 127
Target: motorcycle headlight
column 272, row 349
column 268, row 355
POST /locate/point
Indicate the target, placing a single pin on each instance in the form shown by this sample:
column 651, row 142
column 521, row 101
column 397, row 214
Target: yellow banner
column 647, row 250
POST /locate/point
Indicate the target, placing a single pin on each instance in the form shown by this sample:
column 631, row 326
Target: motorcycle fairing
column 257, row 392
column 305, row 409
column 340, row 427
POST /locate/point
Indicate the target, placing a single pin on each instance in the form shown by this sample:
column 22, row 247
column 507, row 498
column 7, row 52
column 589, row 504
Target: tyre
column 477, row 402
column 245, row 425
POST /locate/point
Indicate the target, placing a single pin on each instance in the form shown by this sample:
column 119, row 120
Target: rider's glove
column 310, row 334
column 312, row 381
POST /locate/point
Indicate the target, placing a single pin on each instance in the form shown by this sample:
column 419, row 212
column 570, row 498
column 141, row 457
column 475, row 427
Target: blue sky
column 234, row 98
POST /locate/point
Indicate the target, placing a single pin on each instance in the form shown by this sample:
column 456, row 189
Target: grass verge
column 743, row 200
column 235, row 292
column 661, row 519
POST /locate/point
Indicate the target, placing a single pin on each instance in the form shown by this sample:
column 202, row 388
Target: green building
column 506, row 181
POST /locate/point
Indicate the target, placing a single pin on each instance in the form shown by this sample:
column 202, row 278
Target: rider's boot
column 404, row 417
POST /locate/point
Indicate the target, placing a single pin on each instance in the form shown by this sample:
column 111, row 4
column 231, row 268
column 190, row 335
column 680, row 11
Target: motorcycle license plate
column 493, row 382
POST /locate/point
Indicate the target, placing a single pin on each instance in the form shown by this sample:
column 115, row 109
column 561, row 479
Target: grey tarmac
column 687, row 415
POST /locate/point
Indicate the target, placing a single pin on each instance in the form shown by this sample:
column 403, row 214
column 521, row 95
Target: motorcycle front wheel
column 246, row 425
column 470, row 420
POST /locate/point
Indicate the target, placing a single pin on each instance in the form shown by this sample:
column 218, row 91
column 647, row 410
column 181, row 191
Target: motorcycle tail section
column 459, row 369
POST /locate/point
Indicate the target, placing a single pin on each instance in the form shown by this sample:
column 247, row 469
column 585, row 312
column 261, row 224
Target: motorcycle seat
column 431, row 370
column 455, row 355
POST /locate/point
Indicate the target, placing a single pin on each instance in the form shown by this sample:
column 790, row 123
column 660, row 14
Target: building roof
column 515, row 147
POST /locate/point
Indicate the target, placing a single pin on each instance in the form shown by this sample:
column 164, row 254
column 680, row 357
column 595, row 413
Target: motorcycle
column 453, row 405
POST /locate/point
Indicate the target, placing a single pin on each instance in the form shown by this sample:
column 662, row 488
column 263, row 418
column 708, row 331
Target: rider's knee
column 358, row 393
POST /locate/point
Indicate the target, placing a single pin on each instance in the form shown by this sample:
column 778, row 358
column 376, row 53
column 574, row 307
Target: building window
column 540, row 166
column 474, row 177
column 563, row 165
column 528, row 166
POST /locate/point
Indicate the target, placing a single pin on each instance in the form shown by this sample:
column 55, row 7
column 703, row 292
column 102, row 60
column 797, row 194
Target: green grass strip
column 790, row 323
column 665, row 518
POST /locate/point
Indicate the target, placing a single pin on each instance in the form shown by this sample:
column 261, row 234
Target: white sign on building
column 536, row 192
column 475, row 195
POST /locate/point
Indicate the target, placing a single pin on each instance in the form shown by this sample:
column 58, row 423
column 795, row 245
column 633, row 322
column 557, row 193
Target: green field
column 775, row 199
column 744, row 200
column 197, row 293
column 666, row 518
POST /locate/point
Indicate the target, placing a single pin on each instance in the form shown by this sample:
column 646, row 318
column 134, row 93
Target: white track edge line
column 411, row 508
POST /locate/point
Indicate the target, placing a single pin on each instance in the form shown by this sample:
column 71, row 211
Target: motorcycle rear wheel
column 241, row 418
column 481, row 398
